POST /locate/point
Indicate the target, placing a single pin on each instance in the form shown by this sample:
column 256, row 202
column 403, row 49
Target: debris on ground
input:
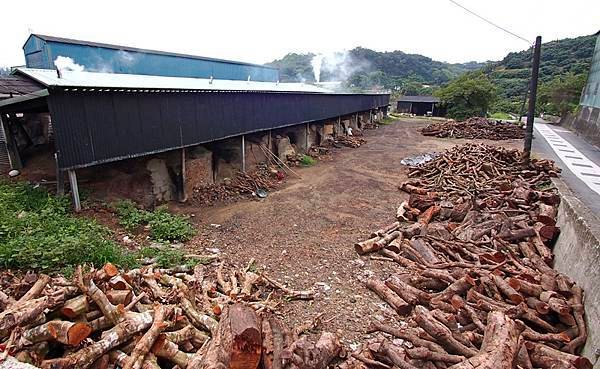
column 200, row 317
column 242, row 185
column 419, row 159
column 475, row 287
column 475, row 128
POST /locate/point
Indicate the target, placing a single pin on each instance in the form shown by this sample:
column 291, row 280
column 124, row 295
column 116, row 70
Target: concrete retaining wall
column 586, row 123
column 577, row 254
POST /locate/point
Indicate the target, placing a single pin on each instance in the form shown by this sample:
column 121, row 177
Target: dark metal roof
column 93, row 127
column 134, row 49
column 423, row 99
column 15, row 85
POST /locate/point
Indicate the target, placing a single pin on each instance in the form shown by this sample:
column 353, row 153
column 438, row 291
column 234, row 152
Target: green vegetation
column 469, row 95
column 167, row 256
column 307, row 160
column 163, row 225
column 564, row 62
column 38, row 232
column 502, row 116
column 362, row 68
column 560, row 95
column 388, row 120
column 561, row 58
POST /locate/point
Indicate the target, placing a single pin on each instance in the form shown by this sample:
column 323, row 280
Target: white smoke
column 68, row 64
column 317, row 63
column 338, row 66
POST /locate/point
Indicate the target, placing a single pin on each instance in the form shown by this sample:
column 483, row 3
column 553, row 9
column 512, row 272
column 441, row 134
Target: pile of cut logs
column 475, row 128
column 349, row 141
column 475, row 287
column 243, row 184
column 154, row 318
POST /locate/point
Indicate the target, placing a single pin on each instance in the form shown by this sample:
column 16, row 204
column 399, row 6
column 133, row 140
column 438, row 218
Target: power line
column 490, row 22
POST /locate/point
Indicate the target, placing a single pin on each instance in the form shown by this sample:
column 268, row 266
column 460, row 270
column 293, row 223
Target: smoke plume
column 337, row 66
column 68, row 64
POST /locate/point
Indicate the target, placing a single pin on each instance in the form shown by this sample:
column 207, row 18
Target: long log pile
column 241, row 185
column 154, row 318
column 475, row 287
column 475, row 128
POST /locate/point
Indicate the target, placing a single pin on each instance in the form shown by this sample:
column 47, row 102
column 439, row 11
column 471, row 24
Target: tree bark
column 237, row 343
column 500, row 344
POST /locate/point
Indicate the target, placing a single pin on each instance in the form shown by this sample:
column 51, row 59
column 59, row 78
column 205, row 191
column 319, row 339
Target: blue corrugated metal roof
column 138, row 50
column 42, row 51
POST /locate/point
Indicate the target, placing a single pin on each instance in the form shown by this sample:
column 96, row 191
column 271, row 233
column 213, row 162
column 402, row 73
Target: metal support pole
column 532, row 99
column 371, row 116
column 243, row 153
column 74, row 190
column 60, row 181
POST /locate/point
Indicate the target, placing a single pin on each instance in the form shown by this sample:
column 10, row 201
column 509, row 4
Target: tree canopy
column 469, row 95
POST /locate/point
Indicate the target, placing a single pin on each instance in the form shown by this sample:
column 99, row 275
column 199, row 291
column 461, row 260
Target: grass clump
column 37, row 231
column 307, row 160
column 387, row 120
column 501, row 116
column 163, row 225
column 166, row 257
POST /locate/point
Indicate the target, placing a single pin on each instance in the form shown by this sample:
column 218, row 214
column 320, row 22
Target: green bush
column 163, row 225
column 37, row 231
column 501, row 115
column 307, row 160
column 130, row 217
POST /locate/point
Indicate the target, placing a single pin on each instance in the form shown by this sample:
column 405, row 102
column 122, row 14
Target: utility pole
column 532, row 99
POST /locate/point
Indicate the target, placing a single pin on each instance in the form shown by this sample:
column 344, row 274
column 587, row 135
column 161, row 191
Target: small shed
column 419, row 105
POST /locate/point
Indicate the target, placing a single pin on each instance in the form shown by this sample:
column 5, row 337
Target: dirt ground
column 303, row 234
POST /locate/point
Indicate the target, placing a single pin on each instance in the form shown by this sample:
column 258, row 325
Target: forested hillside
column 365, row 68
column 569, row 56
column 564, row 62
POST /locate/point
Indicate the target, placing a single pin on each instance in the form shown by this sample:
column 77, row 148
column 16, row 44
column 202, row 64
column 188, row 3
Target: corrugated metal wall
column 591, row 92
column 4, row 158
column 96, row 127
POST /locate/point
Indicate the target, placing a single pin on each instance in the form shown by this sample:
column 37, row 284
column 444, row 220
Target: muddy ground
column 303, row 234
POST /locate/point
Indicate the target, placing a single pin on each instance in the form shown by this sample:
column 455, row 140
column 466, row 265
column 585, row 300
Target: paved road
column 579, row 160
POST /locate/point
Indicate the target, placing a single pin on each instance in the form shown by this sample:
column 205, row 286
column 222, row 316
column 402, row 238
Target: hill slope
column 365, row 68
column 569, row 55
column 408, row 73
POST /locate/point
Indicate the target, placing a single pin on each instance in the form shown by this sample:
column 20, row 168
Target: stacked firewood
column 155, row 318
column 475, row 287
column 349, row 141
column 243, row 184
column 475, row 128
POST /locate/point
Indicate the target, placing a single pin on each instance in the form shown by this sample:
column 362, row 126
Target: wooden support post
column 307, row 137
column 535, row 68
column 371, row 116
column 74, row 190
column 182, row 194
column 270, row 141
column 60, row 180
column 243, row 153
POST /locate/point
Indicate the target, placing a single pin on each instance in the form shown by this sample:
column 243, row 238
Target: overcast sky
column 260, row 31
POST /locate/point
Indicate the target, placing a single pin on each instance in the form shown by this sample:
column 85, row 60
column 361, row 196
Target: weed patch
column 163, row 225
column 37, row 231
column 307, row 160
